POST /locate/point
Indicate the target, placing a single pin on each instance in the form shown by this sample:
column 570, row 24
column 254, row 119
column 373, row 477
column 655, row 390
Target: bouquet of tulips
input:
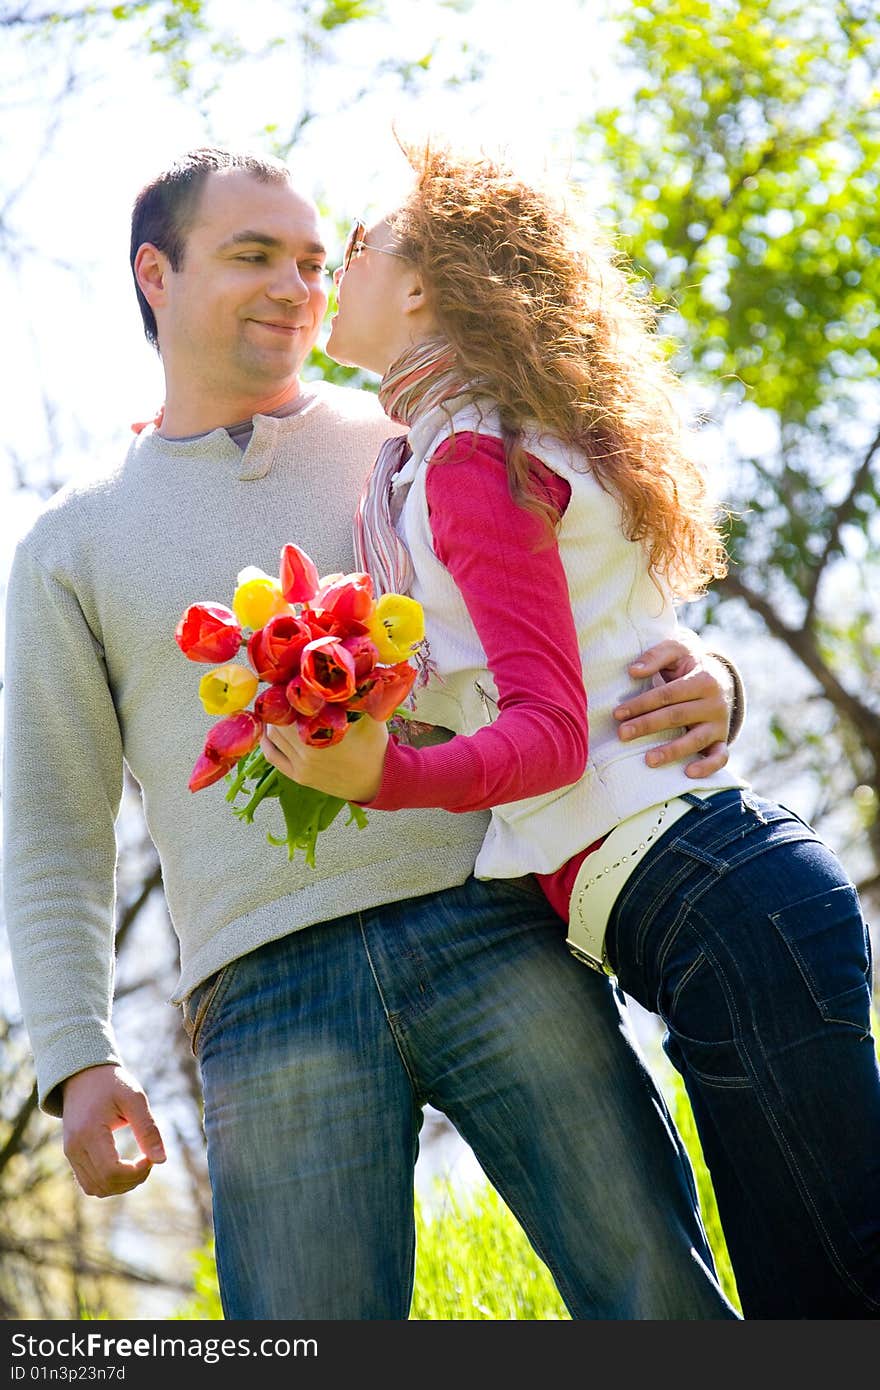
column 321, row 653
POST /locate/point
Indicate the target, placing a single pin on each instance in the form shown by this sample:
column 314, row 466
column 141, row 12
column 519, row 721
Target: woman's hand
column 692, row 690
column 350, row 769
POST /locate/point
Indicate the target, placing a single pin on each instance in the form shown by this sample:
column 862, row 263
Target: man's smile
column 280, row 326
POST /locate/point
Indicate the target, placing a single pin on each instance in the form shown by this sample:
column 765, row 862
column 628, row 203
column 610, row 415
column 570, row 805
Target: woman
column 548, row 517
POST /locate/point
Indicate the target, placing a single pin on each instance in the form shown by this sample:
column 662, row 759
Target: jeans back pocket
column 828, row 937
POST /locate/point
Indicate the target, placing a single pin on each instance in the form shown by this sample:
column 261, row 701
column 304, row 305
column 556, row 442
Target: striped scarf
column 423, row 377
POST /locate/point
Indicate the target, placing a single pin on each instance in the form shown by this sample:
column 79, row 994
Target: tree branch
column 842, row 515
column 19, row 1125
column 56, row 1254
column 802, row 643
column 128, row 916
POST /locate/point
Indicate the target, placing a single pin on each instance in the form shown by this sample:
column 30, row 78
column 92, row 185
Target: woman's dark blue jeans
column 743, row 932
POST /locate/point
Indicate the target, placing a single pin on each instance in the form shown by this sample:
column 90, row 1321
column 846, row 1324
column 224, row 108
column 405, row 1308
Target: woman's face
column 382, row 308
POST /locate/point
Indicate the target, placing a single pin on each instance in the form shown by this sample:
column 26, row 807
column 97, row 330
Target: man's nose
column 289, row 284
column 337, row 275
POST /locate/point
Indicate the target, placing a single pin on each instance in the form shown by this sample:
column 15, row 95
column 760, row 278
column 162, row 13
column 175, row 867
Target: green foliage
column 204, row 1306
column 744, row 171
column 337, row 12
column 745, row 182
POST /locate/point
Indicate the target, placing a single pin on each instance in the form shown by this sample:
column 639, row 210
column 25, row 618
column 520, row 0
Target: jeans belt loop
column 603, row 873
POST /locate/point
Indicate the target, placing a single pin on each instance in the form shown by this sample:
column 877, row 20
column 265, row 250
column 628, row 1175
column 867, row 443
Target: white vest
column 618, row 612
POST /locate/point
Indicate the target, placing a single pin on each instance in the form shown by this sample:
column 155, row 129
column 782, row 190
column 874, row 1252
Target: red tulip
column 349, row 596
column 208, row 770
column 208, row 632
column 328, row 669
column 273, row 706
column 324, row 729
column 274, row 650
column 298, row 575
column 233, row 738
column 303, row 700
column 385, row 690
column 365, row 654
column 323, row 623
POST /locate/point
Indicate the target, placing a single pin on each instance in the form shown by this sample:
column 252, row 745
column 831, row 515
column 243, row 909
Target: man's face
column 246, row 305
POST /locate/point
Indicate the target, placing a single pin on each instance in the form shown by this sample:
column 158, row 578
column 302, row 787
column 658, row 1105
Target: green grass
column 474, row 1262
column 684, row 1120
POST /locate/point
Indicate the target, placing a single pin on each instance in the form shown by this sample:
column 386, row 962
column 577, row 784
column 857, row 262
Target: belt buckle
column 602, row 967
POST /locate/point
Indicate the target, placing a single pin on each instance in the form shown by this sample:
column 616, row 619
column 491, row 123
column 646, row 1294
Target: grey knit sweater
column 94, row 677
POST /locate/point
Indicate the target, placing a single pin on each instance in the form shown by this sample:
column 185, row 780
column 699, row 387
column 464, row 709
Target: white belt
column 604, row 872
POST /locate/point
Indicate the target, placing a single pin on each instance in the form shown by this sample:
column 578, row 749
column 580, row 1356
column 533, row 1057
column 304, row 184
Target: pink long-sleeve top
column 514, row 586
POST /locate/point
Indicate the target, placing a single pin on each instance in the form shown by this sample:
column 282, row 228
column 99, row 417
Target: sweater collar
column 217, row 447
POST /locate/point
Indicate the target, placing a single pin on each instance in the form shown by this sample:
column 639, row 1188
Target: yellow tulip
column 258, row 598
column 397, row 626
column 227, row 689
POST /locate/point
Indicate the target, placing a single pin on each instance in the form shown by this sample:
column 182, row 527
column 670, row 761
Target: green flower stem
column 253, row 764
column 306, row 811
column 267, row 786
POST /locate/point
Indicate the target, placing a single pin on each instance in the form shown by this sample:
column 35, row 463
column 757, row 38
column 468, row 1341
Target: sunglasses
column 355, row 244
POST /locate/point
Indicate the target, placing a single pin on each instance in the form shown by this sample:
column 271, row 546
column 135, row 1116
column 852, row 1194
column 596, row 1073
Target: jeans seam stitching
column 391, row 1027
column 794, row 1167
column 205, row 1006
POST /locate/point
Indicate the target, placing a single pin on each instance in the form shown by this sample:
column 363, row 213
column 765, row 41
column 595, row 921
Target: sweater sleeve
column 62, row 791
column 515, row 589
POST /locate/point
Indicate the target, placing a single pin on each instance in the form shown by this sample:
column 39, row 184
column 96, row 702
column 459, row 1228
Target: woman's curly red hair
column 540, row 309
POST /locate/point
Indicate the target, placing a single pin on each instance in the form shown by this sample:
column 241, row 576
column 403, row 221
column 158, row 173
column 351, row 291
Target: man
column 414, row 982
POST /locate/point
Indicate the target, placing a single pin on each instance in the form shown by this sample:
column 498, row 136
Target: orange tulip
column 274, row 650
column 324, row 729
column 328, row 669
column 384, row 690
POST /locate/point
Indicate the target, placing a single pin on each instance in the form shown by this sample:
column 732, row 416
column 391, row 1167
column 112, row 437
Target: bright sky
column 77, row 339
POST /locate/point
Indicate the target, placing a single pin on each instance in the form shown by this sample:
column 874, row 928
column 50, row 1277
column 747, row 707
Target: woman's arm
column 516, row 592
column 517, row 597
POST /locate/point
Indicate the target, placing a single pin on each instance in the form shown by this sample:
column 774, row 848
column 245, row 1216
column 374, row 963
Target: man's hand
column 691, row 690
column 350, row 769
column 98, row 1101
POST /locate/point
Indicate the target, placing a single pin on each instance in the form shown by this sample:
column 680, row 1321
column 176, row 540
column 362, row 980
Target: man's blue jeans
column 318, row 1052
column 743, row 932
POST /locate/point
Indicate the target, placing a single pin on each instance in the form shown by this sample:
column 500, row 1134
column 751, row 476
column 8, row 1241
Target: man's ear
column 151, row 268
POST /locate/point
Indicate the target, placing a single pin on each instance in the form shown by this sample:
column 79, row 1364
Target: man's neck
column 184, row 417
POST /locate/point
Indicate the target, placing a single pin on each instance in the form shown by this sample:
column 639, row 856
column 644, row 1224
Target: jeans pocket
column 828, row 938
column 199, row 1001
column 693, row 1004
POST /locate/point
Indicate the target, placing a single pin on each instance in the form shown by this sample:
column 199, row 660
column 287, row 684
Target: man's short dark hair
column 165, row 208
